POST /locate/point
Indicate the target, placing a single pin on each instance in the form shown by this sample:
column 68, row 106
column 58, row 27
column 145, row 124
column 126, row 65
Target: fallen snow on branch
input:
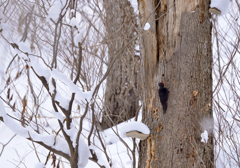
column 63, row 102
column 49, row 140
column 48, row 75
column 72, row 87
column 73, row 22
column 204, row 136
column 55, row 10
column 39, row 68
column 62, row 77
column 100, row 155
column 83, row 154
column 147, row 26
column 72, row 133
column 58, row 115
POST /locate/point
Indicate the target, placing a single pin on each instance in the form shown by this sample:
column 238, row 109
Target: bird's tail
column 164, row 106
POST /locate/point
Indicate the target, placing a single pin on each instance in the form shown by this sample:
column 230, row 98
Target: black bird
column 163, row 95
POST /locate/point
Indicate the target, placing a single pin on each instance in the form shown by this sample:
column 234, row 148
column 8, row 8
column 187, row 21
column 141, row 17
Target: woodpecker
column 163, row 95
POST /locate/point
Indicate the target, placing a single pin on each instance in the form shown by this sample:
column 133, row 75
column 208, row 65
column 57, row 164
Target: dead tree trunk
column 177, row 51
column 121, row 97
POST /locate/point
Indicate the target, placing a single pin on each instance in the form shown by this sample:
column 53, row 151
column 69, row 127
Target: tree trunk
column 177, row 51
column 121, row 97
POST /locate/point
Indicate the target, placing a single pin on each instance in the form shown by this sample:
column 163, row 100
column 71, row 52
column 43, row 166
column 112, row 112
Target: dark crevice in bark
column 157, row 22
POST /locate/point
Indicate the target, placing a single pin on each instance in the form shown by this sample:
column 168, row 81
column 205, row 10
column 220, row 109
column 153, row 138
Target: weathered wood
column 121, row 96
column 184, row 63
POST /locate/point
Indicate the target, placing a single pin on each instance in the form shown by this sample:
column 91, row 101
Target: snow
column 115, row 148
column 48, row 75
column 1, row 14
column 83, row 153
column 101, row 159
column 50, row 140
column 40, row 165
column 57, row 115
column 44, row 120
column 55, row 10
column 5, row 31
column 72, row 10
column 134, row 4
column 39, row 68
column 21, row 55
column 62, row 77
column 204, row 136
column 50, row 85
column 147, row 26
column 2, row 110
column 130, row 162
column 72, row 87
column 137, row 47
column 18, row 152
column 222, row 5
column 5, row 26
column 63, row 102
column 24, row 46
column 111, row 138
column 133, row 126
column 73, row 22
column 78, row 38
column 207, row 124
column 60, row 145
column 72, row 133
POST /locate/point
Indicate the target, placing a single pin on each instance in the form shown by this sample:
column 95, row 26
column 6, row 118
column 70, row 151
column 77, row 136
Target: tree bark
column 122, row 96
column 177, row 51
